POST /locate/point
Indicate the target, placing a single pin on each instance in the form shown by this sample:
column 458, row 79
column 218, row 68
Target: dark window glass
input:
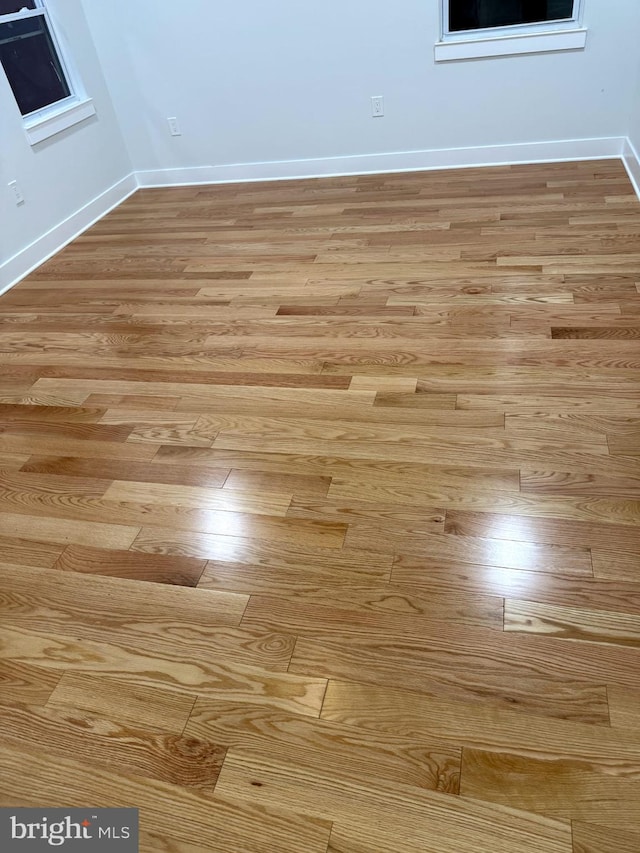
column 7, row 7
column 476, row 14
column 31, row 64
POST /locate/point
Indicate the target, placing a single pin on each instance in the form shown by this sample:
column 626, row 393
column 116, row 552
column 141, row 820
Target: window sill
column 477, row 48
column 46, row 124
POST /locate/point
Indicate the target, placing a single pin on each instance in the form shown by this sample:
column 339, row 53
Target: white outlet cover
column 174, row 127
column 17, row 192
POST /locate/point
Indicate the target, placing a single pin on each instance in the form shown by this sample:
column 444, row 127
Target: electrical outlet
column 174, row 127
column 377, row 106
column 17, row 192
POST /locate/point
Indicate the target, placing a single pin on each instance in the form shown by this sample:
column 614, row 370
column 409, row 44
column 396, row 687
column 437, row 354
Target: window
column 483, row 14
column 47, row 93
column 483, row 28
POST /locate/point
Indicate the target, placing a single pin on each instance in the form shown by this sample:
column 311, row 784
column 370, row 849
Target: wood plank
column 71, row 592
column 262, row 568
column 155, row 709
column 519, row 528
column 502, row 553
column 190, row 815
column 624, row 707
column 321, row 456
column 58, row 531
column 496, row 671
column 572, row 483
column 181, row 571
column 415, row 516
column 446, row 493
column 401, row 385
column 416, row 819
column 27, row 551
column 572, row 623
column 624, row 445
column 12, row 461
column 24, row 683
column 559, row 788
column 176, row 622
column 437, row 576
column 349, row 407
column 235, row 532
column 616, row 565
column 597, row 333
column 157, row 755
column 293, row 484
column 390, row 610
column 51, row 414
column 56, row 429
column 407, row 713
column 432, row 765
column 108, row 516
column 43, row 445
column 614, row 511
column 547, row 403
column 230, row 681
column 258, row 503
column 589, row 838
column 402, row 399
column 478, row 452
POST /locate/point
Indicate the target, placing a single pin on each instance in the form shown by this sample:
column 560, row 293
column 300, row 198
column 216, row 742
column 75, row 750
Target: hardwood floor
column 320, row 516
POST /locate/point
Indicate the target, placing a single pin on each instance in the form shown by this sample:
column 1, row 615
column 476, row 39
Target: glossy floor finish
column 319, row 516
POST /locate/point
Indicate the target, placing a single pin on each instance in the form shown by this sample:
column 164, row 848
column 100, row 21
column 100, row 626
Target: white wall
column 632, row 148
column 62, row 174
column 634, row 119
column 253, row 81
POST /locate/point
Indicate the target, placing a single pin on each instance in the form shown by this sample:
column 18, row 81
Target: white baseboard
column 399, row 161
column 631, row 161
column 32, row 256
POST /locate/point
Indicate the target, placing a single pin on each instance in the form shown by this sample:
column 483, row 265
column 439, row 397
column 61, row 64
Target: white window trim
column 53, row 119
column 56, row 118
column 545, row 37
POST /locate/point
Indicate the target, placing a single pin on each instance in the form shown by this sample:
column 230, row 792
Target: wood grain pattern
column 258, row 503
column 624, row 707
column 27, row 551
column 500, row 552
column 619, row 565
column 572, row 623
column 589, row 838
column 435, row 576
column 22, row 683
column 156, row 709
column 411, row 714
column 183, row 621
column 157, row 755
column 156, row 568
column 374, row 609
column 559, row 788
column 429, row 764
column 479, row 670
column 415, row 817
column 59, row 531
column 190, row 815
column 557, row 531
column 225, row 680
column 312, row 492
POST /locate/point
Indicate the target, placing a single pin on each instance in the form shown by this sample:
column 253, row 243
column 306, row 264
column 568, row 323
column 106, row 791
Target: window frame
column 511, row 39
column 59, row 115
